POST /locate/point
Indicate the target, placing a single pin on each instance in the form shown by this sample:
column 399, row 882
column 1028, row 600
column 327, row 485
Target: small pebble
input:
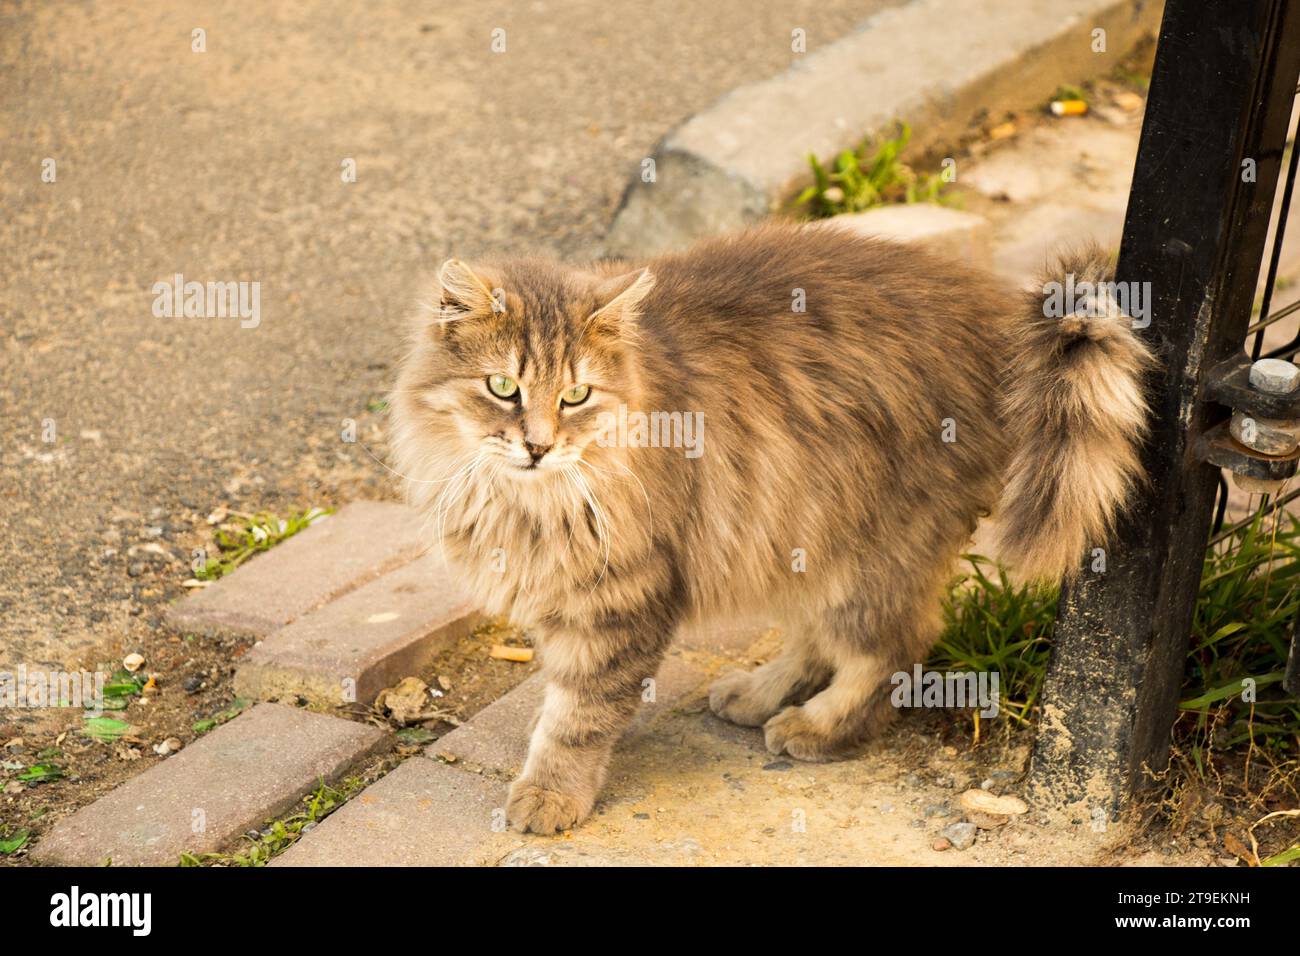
column 960, row 835
column 940, row 845
column 779, row 765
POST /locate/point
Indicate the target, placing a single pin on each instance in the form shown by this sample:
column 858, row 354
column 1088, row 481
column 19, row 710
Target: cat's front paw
column 534, row 809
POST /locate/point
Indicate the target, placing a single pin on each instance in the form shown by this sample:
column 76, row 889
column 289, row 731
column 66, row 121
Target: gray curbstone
column 937, row 64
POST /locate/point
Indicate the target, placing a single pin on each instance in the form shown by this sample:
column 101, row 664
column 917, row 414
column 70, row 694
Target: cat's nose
column 535, row 451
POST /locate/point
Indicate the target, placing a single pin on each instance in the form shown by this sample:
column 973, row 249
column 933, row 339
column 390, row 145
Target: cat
column 863, row 404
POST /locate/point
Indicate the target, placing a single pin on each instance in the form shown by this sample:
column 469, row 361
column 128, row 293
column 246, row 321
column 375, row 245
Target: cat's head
column 520, row 363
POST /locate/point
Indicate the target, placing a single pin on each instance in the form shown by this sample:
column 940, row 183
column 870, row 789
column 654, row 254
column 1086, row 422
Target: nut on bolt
column 1274, row 376
column 1269, row 436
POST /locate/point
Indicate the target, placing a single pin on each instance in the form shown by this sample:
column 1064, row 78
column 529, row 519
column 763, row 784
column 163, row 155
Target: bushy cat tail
column 1077, row 416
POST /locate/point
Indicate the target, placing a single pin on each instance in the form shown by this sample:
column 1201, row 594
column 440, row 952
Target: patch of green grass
column 216, row 720
column 281, row 834
column 246, row 535
column 1250, row 594
column 416, row 736
column 1283, row 858
column 41, row 773
column 14, row 842
column 991, row 625
column 872, row 175
column 1232, row 696
column 1135, row 80
column 105, row 729
column 1067, row 92
column 121, row 687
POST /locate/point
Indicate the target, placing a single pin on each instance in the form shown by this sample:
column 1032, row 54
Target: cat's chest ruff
column 514, row 560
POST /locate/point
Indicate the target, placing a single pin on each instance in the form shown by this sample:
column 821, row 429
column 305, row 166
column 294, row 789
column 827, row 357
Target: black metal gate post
column 1211, row 149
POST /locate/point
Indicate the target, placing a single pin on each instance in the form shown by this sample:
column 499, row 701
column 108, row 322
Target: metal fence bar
column 1221, row 94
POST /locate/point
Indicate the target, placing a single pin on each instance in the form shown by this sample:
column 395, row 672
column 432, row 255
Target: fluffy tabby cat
column 849, row 450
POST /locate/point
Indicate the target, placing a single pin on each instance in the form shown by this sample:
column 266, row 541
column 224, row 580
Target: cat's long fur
column 849, row 451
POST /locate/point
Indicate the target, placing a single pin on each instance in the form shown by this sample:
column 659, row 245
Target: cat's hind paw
column 735, row 698
column 792, row 732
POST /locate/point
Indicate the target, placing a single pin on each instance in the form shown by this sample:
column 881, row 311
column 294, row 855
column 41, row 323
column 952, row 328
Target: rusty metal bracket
column 1260, row 444
column 1218, row 447
column 1229, row 384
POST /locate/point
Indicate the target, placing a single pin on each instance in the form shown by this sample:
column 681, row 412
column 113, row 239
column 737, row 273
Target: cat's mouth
column 541, row 466
column 530, row 466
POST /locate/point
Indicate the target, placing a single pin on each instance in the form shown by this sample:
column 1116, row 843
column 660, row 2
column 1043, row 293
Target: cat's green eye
column 576, row 395
column 503, row 386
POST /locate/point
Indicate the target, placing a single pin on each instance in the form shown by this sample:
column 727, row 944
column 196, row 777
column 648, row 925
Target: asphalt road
column 227, row 165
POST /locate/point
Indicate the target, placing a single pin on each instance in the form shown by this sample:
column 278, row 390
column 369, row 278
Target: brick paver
column 424, row 813
column 369, row 639
column 219, row 787
column 496, row 738
column 334, row 555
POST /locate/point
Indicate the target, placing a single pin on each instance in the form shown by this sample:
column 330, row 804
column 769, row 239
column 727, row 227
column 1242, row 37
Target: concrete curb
column 937, row 64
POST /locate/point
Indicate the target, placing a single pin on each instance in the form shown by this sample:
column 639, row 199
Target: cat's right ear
column 464, row 293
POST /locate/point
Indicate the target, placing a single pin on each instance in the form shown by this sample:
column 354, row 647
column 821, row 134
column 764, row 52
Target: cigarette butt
column 1069, row 107
column 521, row 655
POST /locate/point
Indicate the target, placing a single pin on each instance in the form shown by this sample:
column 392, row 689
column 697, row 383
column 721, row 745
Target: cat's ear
column 463, row 292
column 620, row 299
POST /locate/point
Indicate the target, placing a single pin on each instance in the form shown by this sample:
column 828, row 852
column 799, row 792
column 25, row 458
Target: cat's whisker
column 455, row 493
column 428, row 514
column 582, row 502
column 407, row 478
column 448, row 496
column 602, row 528
column 629, row 473
column 574, row 502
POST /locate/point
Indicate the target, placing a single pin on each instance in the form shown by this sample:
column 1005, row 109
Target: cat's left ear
column 621, row 297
